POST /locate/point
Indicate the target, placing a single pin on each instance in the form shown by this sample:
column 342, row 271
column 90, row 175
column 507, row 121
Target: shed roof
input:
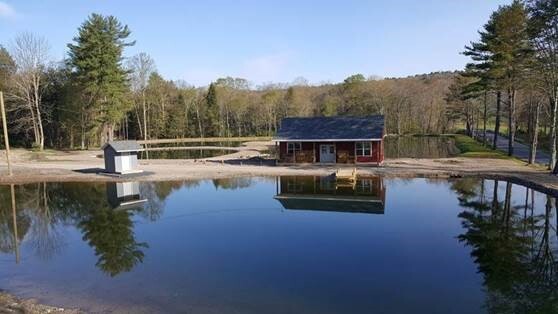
column 123, row 146
column 337, row 203
column 331, row 128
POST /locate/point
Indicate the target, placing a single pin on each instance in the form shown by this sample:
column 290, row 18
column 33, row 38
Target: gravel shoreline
column 84, row 166
column 12, row 304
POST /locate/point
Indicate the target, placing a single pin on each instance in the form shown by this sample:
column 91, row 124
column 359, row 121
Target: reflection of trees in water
column 156, row 193
column 35, row 220
column 232, row 183
column 6, row 222
column 512, row 246
column 46, row 234
column 111, row 233
column 153, row 207
column 45, row 209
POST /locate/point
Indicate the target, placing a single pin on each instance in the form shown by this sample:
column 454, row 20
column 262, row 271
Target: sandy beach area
column 85, row 166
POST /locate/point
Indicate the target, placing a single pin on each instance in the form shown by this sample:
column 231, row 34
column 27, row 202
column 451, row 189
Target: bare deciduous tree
column 30, row 54
column 141, row 67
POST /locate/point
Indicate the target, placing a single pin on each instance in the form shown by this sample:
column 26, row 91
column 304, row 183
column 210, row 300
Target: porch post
column 313, row 152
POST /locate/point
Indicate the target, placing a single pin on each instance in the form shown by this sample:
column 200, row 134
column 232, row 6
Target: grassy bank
column 470, row 147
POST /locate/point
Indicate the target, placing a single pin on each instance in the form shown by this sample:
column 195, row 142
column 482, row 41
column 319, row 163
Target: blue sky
column 263, row 41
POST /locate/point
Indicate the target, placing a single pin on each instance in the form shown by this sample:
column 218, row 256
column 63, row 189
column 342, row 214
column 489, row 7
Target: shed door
column 327, row 153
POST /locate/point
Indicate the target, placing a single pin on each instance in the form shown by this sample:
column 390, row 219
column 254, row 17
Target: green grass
column 471, row 148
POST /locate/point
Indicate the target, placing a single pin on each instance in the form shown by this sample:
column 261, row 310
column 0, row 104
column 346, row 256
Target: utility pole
column 5, row 127
column 14, row 221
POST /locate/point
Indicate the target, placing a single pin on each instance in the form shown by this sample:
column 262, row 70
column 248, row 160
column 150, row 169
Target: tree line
column 510, row 85
column 97, row 94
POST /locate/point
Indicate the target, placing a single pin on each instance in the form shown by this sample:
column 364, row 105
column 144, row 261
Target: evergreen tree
column 7, row 67
column 484, row 65
column 211, row 123
column 96, row 59
column 500, row 58
column 513, row 53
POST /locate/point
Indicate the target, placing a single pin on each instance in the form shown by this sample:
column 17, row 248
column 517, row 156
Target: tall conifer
column 96, row 60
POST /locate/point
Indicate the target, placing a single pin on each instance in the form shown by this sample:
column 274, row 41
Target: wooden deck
column 345, row 174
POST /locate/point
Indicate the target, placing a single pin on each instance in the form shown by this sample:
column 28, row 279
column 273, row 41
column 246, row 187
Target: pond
column 185, row 153
column 419, row 147
column 282, row 245
column 190, row 144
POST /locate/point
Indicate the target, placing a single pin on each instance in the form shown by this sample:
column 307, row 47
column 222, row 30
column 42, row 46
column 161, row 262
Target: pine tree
column 96, row 58
column 211, row 123
column 484, row 65
column 7, row 68
column 513, row 52
column 500, row 58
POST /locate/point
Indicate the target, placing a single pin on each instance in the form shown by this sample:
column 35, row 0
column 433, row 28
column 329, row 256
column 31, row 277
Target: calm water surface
column 282, row 245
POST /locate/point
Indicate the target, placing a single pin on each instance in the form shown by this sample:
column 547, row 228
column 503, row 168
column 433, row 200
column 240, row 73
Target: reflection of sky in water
column 227, row 245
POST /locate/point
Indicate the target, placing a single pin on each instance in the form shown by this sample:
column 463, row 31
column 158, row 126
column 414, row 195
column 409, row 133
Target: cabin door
column 327, row 153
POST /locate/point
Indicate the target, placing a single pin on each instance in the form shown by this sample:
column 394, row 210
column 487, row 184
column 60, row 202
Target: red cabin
column 331, row 140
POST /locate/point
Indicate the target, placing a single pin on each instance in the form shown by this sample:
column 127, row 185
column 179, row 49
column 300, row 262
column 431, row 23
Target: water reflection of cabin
column 331, row 140
column 366, row 195
column 124, row 195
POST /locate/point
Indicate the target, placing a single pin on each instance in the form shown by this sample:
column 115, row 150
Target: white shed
column 121, row 157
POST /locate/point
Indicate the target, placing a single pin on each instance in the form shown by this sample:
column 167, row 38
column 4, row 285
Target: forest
column 80, row 103
column 99, row 93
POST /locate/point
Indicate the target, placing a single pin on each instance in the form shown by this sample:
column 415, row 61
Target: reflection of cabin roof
column 338, row 203
column 331, row 128
column 123, row 146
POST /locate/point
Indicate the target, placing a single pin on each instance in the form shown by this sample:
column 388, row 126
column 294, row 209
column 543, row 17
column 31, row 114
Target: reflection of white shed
column 121, row 157
column 124, row 194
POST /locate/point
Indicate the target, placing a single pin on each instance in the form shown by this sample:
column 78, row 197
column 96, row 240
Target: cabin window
column 364, row 185
column 363, row 148
column 294, row 187
column 294, row 147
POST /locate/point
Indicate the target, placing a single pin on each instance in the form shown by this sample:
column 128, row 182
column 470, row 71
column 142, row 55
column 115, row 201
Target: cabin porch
column 345, row 152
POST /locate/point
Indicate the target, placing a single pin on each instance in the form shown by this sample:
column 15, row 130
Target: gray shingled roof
column 334, row 128
column 331, row 203
column 123, row 146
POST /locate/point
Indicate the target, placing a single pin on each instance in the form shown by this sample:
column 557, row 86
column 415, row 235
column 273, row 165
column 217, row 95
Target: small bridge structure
column 345, row 176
